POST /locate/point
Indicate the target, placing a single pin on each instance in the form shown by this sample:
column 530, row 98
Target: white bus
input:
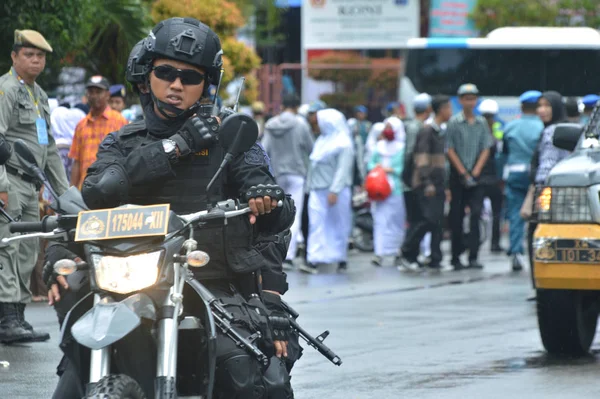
column 503, row 65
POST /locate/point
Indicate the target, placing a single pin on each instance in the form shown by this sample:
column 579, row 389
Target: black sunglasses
column 170, row 74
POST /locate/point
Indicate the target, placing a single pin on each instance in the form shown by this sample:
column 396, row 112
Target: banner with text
column 450, row 18
column 359, row 24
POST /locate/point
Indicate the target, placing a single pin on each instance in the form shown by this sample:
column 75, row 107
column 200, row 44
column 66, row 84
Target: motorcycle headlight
column 123, row 275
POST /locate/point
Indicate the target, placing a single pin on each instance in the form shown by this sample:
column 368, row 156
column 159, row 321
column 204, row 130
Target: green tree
column 491, row 14
column 110, row 30
column 352, row 85
column 59, row 21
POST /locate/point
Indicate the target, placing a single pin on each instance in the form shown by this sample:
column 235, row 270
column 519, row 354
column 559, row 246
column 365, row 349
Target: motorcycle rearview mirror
column 30, row 165
column 237, row 134
column 64, row 267
column 566, row 135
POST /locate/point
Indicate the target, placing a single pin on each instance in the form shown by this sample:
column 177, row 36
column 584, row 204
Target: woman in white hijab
column 330, row 186
column 389, row 215
column 372, row 138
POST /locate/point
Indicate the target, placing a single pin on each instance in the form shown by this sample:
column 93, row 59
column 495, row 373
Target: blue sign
column 450, row 18
column 288, row 3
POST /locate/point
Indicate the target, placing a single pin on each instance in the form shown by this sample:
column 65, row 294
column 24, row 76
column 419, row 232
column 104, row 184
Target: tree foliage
column 111, row 30
column 352, row 85
column 225, row 18
column 59, row 21
column 491, row 14
column 93, row 34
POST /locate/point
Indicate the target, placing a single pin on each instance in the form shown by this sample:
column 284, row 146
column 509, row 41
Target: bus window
column 573, row 72
column 497, row 72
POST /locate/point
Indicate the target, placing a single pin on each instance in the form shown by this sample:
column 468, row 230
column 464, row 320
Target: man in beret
column 117, row 97
column 25, row 115
column 589, row 102
column 520, row 139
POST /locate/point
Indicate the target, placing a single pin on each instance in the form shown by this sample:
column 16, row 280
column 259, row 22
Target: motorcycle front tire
column 116, row 386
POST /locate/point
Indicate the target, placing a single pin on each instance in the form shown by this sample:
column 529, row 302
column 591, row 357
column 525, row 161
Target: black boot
column 11, row 330
column 37, row 336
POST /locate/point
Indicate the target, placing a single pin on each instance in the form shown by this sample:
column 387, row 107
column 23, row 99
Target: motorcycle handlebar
column 46, row 225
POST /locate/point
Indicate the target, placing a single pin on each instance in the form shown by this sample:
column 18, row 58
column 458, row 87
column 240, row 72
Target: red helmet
column 377, row 185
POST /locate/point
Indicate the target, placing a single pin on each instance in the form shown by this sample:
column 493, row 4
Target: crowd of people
column 423, row 174
column 434, row 173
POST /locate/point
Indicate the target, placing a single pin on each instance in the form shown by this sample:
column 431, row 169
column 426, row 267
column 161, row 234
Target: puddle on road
column 543, row 360
column 537, row 360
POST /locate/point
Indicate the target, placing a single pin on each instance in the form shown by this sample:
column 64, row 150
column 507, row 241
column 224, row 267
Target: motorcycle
column 139, row 259
column 362, row 231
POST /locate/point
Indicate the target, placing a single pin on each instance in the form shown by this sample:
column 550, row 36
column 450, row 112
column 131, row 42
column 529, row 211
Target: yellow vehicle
column 566, row 245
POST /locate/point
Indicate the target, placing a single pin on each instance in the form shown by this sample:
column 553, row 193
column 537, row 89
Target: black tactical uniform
column 134, row 167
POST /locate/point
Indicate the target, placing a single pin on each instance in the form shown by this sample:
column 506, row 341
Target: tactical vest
column 231, row 248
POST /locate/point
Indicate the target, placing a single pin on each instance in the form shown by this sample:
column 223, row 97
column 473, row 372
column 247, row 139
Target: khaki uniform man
column 24, row 114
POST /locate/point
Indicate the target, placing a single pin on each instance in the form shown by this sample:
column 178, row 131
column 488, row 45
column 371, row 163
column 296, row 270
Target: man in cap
column 313, row 108
column 359, row 125
column 589, row 103
column 572, row 108
column 92, row 129
column 117, row 97
column 422, row 108
column 469, row 140
column 519, row 142
column 258, row 113
column 25, row 115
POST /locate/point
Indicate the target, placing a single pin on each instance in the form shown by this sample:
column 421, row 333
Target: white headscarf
column 334, row 137
column 390, row 148
column 372, row 138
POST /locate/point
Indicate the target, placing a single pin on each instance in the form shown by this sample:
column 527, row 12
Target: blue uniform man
column 589, row 102
column 520, row 139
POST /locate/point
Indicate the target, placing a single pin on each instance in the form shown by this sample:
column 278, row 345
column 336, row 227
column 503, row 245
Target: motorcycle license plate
column 569, row 251
column 125, row 222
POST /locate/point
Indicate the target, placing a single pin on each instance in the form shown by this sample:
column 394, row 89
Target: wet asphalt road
column 454, row 335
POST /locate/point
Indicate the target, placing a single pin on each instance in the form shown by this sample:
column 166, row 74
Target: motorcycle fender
column 107, row 323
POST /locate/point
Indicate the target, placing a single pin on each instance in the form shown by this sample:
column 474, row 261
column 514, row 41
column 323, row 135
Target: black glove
column 197, row 134
column 265, row 190
column 280, row 326
column 278, row 318
column 53, row 254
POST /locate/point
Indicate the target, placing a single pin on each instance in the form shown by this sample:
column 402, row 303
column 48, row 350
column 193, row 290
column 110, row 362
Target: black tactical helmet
column 135, row 73
column 187, row 40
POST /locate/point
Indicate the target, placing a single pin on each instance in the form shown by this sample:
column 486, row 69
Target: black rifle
column 223, row 320
column 317, row 342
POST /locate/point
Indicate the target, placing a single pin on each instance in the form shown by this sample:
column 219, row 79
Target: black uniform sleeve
column 274, row 248
column 140, row 163
column 250, row 169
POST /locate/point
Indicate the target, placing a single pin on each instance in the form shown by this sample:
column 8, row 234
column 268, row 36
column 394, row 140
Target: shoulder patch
column 255, row 156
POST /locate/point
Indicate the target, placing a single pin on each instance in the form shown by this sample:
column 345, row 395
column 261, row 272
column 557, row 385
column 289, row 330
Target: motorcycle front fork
column 167, row 334
column 167, row 337
column 100, row 358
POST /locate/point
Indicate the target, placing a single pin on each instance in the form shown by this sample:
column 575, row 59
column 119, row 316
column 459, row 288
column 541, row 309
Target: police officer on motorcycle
column 169, row 158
